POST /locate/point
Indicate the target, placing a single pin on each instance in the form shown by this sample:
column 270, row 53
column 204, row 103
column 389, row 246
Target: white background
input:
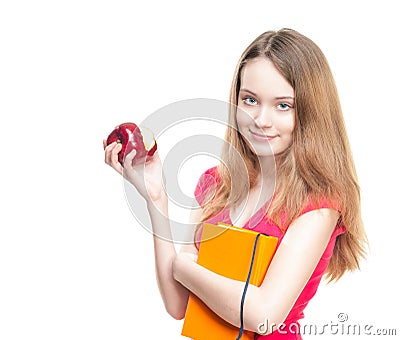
column 74, row 263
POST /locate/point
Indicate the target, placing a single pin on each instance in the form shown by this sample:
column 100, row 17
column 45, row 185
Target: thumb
column 128, row 160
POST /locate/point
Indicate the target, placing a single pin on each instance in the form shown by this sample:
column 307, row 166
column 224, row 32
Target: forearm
column 221, row 294
column 174, row 295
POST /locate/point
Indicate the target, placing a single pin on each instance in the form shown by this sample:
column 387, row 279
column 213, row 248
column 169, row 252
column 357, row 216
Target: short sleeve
column 207, row 181
column 321, row 204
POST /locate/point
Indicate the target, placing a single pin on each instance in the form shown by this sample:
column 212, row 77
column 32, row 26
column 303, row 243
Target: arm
column 173, row 293
column 299, row 253
column 148, row 182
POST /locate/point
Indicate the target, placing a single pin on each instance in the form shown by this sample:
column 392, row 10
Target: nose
column 264, row 117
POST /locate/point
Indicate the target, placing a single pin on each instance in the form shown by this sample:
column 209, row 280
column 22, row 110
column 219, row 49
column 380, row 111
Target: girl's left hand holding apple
column 131, row 151
column 146, row 177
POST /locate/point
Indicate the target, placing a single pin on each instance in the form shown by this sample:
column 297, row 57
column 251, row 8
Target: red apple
column 132, row 137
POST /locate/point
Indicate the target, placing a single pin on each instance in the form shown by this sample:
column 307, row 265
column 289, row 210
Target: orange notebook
column 226, row 250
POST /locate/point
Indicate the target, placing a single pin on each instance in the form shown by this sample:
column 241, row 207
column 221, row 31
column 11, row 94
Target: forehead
column 260, row 76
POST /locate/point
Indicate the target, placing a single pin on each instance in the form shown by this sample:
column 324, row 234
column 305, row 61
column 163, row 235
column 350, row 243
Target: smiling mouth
column 262, row 136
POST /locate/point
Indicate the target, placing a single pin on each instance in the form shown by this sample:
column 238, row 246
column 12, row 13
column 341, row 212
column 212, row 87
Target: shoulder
column 310, row 208
column 324, row 209
column 208, row 180
column 312, row 228
column 320, row 203
column 213, row 172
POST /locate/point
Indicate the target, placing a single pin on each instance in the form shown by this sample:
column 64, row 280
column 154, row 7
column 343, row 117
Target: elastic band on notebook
column 245, row 288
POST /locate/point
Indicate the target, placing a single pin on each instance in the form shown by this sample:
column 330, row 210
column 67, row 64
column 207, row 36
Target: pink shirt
column 258, row 222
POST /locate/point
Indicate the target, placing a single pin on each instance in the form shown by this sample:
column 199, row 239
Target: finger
column 114, row 155
column 104, row 144
column 108, row 151
column 118, row 167
column 111, row 156
column 129, row 158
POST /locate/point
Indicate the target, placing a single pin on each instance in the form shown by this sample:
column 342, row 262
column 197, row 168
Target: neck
column 266, row 179
column 268, row 169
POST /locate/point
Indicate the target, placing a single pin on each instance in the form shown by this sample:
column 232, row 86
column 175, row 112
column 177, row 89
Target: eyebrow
column 254, row 94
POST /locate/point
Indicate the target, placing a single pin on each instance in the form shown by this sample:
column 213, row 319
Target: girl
column 288, row 127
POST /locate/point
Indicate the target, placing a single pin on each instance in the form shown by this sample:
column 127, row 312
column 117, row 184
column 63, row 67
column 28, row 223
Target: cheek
column 240, row 121
column 243, row 119
column 287, row 124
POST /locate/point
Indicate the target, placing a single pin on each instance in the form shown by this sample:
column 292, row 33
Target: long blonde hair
column 318, row 163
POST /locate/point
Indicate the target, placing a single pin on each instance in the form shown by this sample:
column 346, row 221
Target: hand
column 146, row 177
column 111, row 155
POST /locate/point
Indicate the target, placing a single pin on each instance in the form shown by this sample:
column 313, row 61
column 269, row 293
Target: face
column 266, row 111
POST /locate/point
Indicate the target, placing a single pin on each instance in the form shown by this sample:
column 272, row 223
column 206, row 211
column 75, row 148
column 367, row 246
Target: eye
column 249, row 101
column 284, row 106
